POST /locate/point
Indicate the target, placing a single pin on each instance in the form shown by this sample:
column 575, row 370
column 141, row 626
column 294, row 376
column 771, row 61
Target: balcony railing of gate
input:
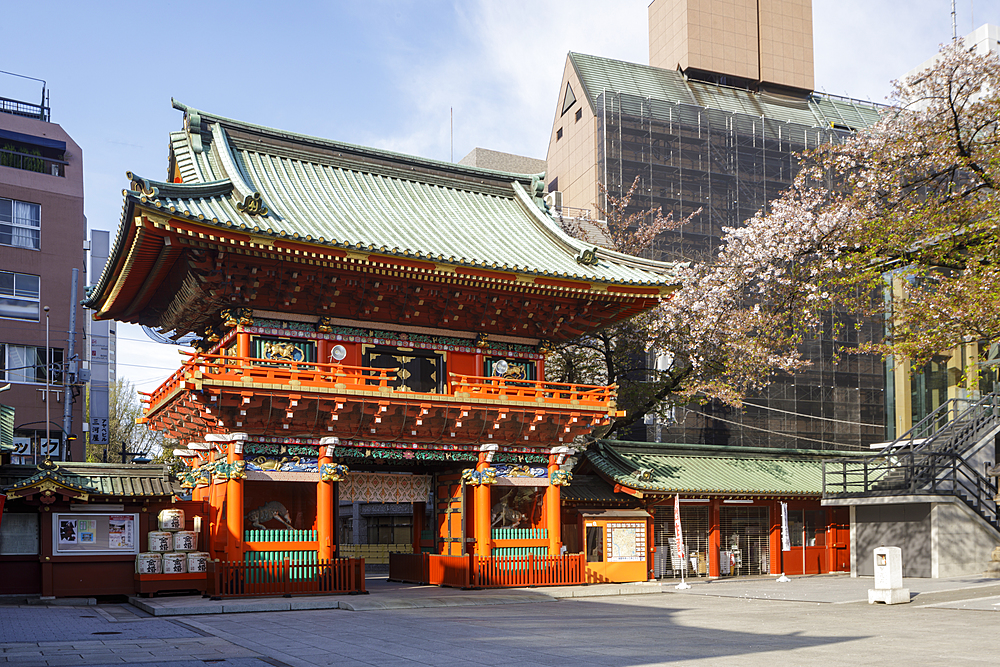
column 245, row 371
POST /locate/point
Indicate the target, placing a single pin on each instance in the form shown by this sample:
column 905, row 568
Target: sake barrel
column 172, row 519
column 174, row 563
column 197, row 561
column 185, row 540
column 160, row 541
column 149, row 563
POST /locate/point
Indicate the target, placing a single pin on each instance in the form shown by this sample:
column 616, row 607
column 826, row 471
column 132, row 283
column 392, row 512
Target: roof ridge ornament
column 587, row 257
column 252, row 205
column 141, row 185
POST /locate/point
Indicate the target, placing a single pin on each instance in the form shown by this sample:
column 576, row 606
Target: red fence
column 530, row 570
column 494, row 572
column 284, row 577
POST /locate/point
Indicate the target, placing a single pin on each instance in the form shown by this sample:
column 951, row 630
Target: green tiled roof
column 99, row 479
column 593, row 489
column 598, row 75
column 354, row 198
column 667, row 469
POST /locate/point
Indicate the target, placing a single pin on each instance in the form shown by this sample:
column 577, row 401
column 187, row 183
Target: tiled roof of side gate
column 664, row 469
column 100, row 479
column 353, row 198
column 599, row 74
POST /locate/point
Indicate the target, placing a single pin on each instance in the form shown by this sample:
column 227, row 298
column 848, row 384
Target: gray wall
column 905, row 526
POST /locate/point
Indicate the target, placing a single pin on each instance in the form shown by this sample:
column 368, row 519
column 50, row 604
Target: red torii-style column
column 553, row 501
column 326, row 499
column 484, row 532
column 234, row 492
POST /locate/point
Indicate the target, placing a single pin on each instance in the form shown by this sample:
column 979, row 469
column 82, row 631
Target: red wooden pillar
column 714, row 538
column 419, row 511
column 482, row 504
column 774, row 538
column 234, row 494
column 325, row 527
column 242, row 344
column 553, row 501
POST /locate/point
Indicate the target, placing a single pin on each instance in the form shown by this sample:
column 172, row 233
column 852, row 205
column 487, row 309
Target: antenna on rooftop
column 451, row 114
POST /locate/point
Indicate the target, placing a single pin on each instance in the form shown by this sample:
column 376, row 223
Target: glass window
column 19, row 296
column 595, row 544
column 20, row 224
column 26, row 363
column 390, row 529
column 809, row 525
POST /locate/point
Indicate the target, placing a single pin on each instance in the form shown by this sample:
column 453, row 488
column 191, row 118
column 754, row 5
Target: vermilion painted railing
column 223, row 368
column 530, row 570
column 236, row 579
column 586, row 395
column 305, row 375
column 493, row 572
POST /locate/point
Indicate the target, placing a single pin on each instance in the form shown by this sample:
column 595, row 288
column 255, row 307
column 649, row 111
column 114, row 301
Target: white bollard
column 888, row 577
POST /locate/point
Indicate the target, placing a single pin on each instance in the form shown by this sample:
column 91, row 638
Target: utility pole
column 70, row 371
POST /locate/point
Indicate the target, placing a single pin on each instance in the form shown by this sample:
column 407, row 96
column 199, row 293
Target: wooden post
column 482, row 505
column 774, row 541
column 242, row 344
column 419, row 509
column 714, row 539
column 553, row 503
column 234, row 505
column 325, row 527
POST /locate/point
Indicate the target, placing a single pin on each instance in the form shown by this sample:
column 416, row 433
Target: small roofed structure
column 730, row 502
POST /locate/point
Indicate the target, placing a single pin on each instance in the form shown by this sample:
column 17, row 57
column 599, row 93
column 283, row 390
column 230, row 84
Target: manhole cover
column 105, row 633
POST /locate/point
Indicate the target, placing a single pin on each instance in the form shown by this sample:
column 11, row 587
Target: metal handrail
column 933, row 465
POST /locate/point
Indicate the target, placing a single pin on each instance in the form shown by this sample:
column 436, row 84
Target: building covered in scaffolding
column 709, row 135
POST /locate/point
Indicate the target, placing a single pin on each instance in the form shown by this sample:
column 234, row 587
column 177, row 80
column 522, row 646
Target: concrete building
column 42, row 232
column 714, row 123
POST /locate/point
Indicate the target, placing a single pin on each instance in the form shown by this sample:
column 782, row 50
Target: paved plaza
column 812, row 620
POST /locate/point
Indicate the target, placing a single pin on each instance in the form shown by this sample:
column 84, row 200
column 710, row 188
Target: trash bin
column 888, row 577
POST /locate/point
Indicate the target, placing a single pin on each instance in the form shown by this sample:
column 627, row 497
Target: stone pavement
column 37, row 636
column 384, row 594
column 750, row 622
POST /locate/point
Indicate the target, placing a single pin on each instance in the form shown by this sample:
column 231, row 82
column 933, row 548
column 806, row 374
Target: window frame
column 56, row 360
column 13, row 224
column 28, row 298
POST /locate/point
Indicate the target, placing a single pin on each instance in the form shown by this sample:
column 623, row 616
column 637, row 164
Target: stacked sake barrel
column 172, row 550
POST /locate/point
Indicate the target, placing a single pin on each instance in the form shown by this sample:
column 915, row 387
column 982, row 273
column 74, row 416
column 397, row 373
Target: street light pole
column 48, row 370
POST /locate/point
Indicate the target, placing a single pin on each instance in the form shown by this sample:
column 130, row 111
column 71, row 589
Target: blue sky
column 381, row 73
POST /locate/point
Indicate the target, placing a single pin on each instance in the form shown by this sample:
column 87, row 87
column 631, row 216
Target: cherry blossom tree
column 912, row 199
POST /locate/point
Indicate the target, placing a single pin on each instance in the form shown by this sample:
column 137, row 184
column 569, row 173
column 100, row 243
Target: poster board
column 80, row 534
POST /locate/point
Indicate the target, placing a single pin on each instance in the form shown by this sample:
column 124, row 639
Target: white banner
column 786, row 542
column 678, row 537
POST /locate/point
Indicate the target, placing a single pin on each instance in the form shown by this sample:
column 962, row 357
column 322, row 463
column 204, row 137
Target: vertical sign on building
column 101, row 357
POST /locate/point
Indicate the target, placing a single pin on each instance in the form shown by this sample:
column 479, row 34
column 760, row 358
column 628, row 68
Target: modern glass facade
column 730, row 164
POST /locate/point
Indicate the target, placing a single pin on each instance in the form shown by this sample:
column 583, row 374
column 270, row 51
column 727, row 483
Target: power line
column 826, row 419
column 765, row 430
